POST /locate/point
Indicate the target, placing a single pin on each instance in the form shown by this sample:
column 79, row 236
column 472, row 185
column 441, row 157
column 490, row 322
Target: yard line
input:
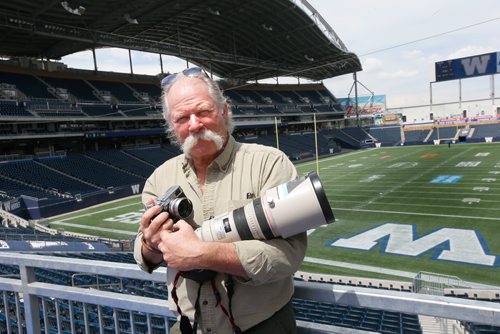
column 387, row 271
column 411, row 179
column 417, row 214
column 362, row 267
column 96, row 212
column 89, row 227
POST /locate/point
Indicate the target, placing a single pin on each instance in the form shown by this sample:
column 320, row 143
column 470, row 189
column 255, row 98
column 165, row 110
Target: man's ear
column 225, row 111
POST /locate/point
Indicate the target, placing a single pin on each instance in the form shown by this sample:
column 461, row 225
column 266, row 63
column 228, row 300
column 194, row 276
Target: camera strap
column 185, row 324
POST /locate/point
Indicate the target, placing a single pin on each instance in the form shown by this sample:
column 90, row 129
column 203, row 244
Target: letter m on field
column 449, row 244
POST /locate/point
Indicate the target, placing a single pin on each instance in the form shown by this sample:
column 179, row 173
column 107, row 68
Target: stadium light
column 77, row 11
column 267, row 27
column 129, row 19
column 213, row 11
column 309, row 58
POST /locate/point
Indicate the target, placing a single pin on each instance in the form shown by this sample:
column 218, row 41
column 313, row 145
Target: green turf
column 372, row 187
column 392, row 185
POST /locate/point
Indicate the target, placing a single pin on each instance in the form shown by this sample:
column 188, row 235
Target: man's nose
column 194, row 123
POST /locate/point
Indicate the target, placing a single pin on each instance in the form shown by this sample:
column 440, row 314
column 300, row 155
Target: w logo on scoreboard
column 476, row 65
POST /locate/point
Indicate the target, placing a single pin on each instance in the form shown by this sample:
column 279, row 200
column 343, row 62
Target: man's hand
column 181, row 247
column 153, row 221
column 184, row 251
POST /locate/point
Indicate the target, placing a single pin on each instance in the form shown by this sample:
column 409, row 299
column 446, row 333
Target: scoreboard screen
column 467, row 67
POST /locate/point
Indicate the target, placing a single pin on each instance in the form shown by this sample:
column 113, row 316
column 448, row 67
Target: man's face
column 199, row 126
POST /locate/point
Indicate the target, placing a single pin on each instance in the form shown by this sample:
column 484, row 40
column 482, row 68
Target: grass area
column 441, row 202
column 436, row 190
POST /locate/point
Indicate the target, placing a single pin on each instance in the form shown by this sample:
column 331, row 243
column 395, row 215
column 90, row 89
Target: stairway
column 434, row 325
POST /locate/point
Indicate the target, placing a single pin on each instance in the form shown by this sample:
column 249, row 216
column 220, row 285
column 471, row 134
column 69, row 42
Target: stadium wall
column 429, row 112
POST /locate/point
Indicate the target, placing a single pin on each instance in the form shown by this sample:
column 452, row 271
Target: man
column 253, row 283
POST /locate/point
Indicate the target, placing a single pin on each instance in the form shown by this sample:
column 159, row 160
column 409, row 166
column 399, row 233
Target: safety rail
column 36, row 294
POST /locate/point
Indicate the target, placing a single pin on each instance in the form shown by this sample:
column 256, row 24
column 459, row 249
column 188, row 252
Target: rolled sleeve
column 271, row 260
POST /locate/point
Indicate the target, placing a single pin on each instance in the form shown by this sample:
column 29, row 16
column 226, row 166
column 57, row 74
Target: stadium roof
column 238, row 39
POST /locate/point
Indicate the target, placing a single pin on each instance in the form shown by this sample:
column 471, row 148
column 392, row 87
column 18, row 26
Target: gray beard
column 207, row 135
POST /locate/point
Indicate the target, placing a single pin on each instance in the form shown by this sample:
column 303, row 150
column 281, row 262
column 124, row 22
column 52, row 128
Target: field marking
column 90, row 227
column 96, row 212
column 418, row 214
column 362, row 267
column 407, row 181
column 400, row 273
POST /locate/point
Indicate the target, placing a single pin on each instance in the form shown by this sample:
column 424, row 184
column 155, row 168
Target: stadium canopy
column 233, row 39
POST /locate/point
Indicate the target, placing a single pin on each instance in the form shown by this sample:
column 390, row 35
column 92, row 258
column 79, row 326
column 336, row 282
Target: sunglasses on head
column 188, row 72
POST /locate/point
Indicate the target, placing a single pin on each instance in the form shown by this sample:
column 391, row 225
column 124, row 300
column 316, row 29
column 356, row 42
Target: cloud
column 403, row 73
column 414, row 54
column 371, row 64
column 470, row 50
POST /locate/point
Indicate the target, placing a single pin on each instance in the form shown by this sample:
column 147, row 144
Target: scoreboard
column 485, row 64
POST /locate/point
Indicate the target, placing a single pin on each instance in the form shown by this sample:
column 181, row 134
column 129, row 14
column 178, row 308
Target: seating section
column 476, row 294
column 29, row 233
column 90, row 171
column 416, row 136
column 116, row 89
column 53, row 109
column 27, row 84
column 307, row 310
column 443, row 133
column 117, row 98
column 297, row 147
column 123, row 161
column 39, row 177
column 138, row 110
column 356, row 317
column 100, row 110
column 340, row 136
column 154, row 155
column 390, row 134
column 473, row 328
column 485, row 130
column 76, row 87
column 14, row 188
column 14, row 109
column 52, row 307
column 57, row 178
column 153, row 91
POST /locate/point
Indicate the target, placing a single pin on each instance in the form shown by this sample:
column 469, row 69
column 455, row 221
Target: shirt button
column 205, row 302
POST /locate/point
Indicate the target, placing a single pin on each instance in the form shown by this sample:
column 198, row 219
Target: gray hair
column 214, row 92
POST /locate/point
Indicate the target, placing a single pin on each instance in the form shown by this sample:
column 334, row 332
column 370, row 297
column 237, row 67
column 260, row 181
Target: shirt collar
column 223, row 159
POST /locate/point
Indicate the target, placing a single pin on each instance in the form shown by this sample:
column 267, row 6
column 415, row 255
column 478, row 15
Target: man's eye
column 204, row 113
column 181, row 120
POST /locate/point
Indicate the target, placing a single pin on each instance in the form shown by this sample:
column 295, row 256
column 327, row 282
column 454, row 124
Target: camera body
column 175, row 203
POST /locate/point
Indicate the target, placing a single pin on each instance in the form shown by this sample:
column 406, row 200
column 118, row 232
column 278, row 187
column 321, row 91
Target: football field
column 429, row 208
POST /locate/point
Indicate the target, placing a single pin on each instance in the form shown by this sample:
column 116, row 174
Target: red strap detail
column 174, row 293
column 218, row 299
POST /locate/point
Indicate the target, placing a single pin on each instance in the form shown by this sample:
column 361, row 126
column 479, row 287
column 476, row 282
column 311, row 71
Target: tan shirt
column 238, row 175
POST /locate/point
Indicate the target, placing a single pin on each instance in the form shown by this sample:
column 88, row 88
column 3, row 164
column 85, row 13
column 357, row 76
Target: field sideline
column 428, row 208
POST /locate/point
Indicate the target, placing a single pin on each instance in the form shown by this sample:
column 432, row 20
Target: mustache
column 207, row 135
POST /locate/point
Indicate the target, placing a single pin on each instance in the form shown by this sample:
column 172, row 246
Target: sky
column 397, row 42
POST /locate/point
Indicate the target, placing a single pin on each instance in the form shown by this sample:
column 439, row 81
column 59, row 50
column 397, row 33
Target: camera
column 283, row 211
column 175, row 203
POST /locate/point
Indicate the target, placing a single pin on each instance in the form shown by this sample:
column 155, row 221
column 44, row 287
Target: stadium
column 414, row 247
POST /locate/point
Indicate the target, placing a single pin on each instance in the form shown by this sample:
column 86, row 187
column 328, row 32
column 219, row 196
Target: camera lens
column 181, row 207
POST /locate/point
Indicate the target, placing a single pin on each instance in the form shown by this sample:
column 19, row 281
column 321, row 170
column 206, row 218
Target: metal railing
column 37, row 296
